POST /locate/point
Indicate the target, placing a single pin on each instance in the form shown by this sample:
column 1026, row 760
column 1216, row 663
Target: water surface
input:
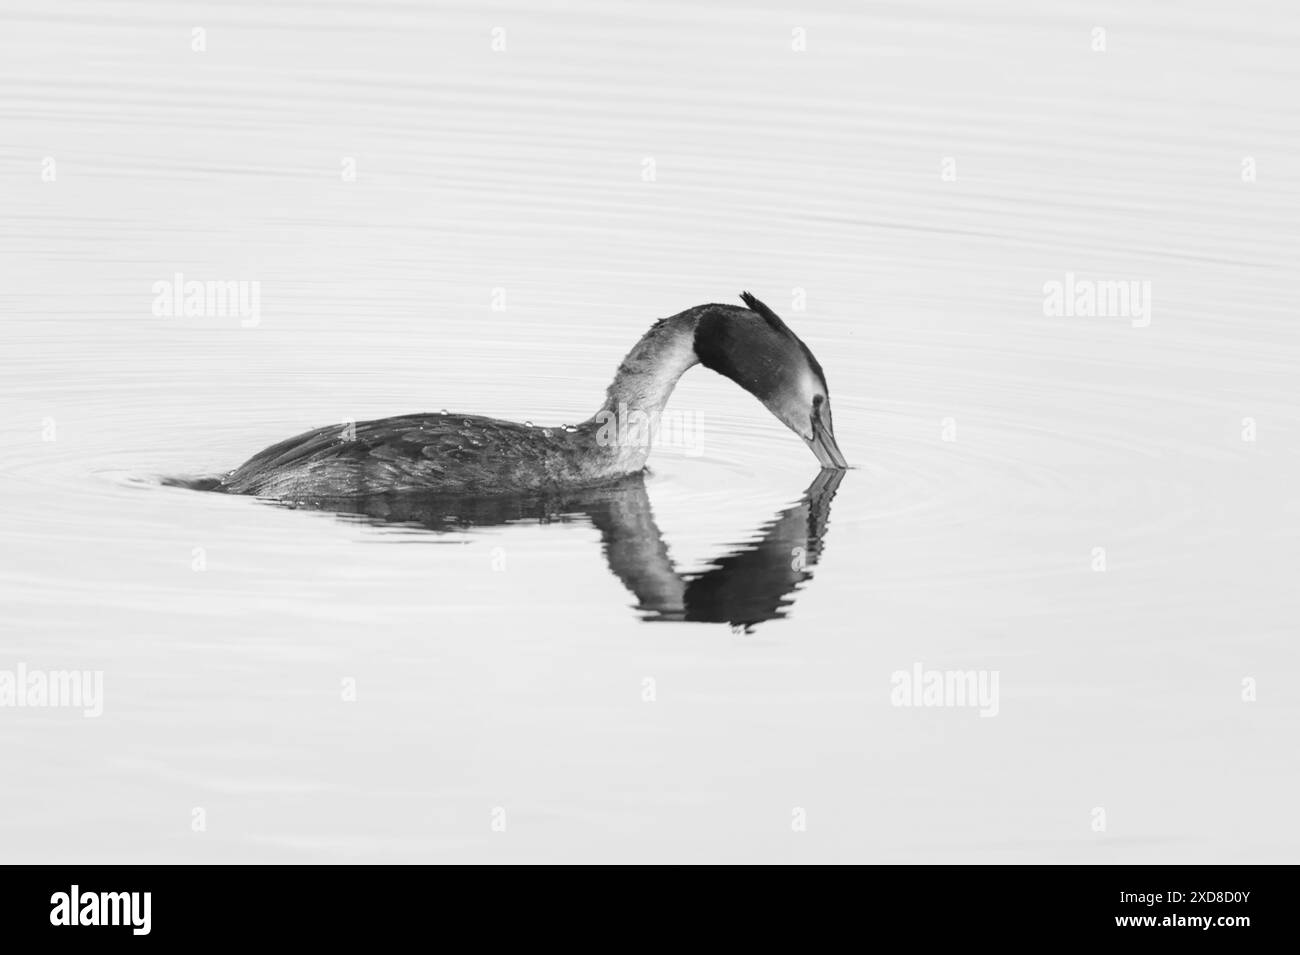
column 438, row 224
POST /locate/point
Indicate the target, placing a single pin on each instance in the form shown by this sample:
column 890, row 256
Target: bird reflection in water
column 755, row 581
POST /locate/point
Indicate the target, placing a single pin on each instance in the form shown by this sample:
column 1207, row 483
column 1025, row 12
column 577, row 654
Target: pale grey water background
column 775, row 170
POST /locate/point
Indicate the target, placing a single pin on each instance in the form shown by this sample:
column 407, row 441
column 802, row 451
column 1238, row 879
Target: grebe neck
column 626, row 425
column 647, row 376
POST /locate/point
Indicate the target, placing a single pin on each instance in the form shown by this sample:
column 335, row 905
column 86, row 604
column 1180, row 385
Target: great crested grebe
column 461, row 454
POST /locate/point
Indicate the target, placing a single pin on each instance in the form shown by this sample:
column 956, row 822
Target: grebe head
column 759, row 352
